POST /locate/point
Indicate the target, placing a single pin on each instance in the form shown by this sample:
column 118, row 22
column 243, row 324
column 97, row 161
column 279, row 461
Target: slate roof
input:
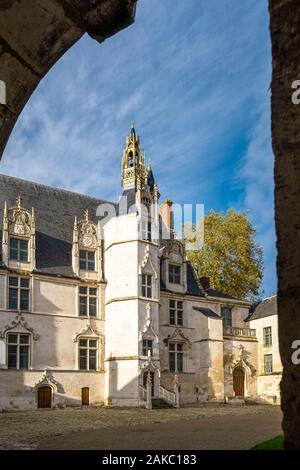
column 55, row 210
column 263, row 308
column 207, row 312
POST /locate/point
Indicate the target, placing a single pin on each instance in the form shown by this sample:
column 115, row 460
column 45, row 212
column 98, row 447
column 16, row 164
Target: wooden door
column 152, row 381
column 238, row 382
column 85, row 396
column 44, row 397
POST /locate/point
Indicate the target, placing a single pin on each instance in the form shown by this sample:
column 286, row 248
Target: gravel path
column 203, row 426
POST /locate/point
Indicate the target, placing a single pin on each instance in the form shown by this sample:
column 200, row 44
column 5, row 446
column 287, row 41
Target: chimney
column 204, row 281
column 166, row 214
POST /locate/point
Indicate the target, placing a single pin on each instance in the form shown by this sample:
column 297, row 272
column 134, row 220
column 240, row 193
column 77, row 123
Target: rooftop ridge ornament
column 19, row 202
column 86, row 215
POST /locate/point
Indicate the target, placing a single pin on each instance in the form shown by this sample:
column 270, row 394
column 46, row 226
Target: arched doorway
column 85, row 396
column 239, row 382
column 44, row 397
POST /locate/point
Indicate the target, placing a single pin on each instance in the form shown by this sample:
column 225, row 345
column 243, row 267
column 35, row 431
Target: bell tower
column 133, row 162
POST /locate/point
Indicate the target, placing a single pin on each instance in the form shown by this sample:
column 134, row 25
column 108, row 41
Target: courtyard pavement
column 209, row 426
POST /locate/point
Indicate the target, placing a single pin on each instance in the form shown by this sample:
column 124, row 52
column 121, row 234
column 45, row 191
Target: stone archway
column 34, row 34
column 285, row 35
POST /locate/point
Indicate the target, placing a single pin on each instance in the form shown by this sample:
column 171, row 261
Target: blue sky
column 194, row 76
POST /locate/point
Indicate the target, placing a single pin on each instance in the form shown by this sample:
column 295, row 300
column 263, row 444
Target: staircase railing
column 170, row 397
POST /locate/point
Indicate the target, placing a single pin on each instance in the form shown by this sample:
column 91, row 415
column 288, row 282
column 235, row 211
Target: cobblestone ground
column 26, row 430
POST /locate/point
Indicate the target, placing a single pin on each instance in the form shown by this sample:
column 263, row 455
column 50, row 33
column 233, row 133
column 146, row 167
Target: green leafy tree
column 230, row 257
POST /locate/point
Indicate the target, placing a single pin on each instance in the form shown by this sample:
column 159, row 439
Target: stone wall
column 285, row 35
column 34, row 34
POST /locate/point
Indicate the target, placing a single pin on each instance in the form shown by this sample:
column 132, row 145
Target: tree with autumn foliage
column 230, row 256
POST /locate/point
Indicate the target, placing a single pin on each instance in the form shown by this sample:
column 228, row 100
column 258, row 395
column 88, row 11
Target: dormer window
column 18, row 249
column 174, row 274
column 87, row 260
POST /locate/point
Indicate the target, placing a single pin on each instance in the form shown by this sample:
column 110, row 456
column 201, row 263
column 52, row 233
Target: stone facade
column 107, row 310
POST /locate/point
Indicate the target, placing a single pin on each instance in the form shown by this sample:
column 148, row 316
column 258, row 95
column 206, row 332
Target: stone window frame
column 19, row 249
column 268, row 364
column 226, row 308
column 174, row 281
column 86, row 251
column 19, row 290
column 29, row 344
column 147, row 287
column 176, row 352
column 88, row 339
column 267, row 337
column 88, row 295
column 175, row 309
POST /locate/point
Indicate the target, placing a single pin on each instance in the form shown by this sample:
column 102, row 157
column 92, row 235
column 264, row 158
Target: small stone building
column 99, row 305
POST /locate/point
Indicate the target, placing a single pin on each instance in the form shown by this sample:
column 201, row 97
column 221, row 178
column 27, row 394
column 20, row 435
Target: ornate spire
column 132, row 161
column 86, row 215
column 19, row 202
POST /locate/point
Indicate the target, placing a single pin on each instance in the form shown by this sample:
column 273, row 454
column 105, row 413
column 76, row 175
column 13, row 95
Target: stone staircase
column 159, row 403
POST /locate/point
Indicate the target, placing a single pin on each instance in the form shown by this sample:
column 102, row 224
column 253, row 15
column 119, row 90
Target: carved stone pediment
column 19, row 325
column 177, row 336
column 87, row 234
column 88, row 330
column 48, row 380
column 147, row 266
column 149, row 365
column 19, row 221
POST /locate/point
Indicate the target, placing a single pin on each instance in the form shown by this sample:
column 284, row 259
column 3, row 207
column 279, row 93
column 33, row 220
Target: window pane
column 172, row 303
column 83, row 359
column 93, row 343
column 13, row 254
column 13, row 299
column 172, row 317
column 172, row 347
column 12, row 357
column 14, row 243
column 172, row 362
column 13, row 281
column 83, row 290
column 179, row 347
column 179, row 305
column 24, row 339
column 93, row 307
column 93, row 359
column 82, row 264
column 24, row 357
column 12, row 339
column 24, row 282
column 23, row 255
column 179, row 318
column 93, row 291
column 83, row 342
column 24, row 300
column 179, row 363
column 23, row 245
column 91, row 266
column 83, row 306
column 91, row 256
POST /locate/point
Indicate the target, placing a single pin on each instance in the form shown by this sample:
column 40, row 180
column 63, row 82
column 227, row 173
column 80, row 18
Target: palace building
column 99, row 305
